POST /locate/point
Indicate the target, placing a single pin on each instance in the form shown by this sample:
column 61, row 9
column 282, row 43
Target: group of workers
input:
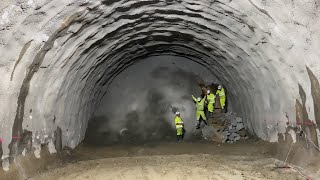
column 207, row 102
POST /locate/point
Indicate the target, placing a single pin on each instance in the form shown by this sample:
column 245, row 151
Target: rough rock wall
column 58, row 57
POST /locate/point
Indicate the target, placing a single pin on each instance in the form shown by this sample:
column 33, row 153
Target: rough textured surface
column 141, row 102
column 63, row 54
column 246, row 160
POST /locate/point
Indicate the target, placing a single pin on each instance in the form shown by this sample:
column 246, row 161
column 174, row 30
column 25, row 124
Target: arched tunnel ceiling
column 58, row 57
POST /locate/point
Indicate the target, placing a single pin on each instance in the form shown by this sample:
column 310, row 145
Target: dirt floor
column 188, row 160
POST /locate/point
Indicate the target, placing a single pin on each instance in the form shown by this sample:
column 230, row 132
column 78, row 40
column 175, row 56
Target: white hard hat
column 219, row 87
column 177, row 113
column 208, row 91
column 199, row 98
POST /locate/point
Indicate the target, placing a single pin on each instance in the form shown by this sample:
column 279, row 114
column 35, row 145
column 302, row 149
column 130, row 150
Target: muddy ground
column 251, row 159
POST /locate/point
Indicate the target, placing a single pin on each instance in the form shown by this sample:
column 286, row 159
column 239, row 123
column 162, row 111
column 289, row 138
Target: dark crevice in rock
column 109, row 2
column 58, row 139
column 23, row 51
column 304, row 99
column 308, row 128
column 299, row 112
column 1, row 152
column 138, row 4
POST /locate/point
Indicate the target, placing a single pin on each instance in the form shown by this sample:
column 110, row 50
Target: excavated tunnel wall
column 58, row 58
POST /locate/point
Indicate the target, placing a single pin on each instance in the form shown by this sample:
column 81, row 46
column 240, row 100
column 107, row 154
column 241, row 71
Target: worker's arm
column 203, row 99
column 194, row 98
column 179, row 122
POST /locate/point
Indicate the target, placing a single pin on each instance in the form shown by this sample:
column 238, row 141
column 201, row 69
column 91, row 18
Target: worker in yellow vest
column 179, row 126
column 211, row 100
column 221, row 93
column 200, row 110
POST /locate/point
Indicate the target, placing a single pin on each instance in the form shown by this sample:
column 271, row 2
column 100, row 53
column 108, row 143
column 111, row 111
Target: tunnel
column 141, row 101
column 78, row 71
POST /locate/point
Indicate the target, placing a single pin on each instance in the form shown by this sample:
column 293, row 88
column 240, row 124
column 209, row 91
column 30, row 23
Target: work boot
column 205, row 122
column 198, row 125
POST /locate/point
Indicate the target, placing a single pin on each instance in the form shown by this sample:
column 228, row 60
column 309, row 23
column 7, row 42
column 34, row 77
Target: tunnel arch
column 72, row 49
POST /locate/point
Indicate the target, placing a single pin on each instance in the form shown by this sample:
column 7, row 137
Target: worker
column 211, row 100
column 222, row 96
column 179, row 126
column 200, row 110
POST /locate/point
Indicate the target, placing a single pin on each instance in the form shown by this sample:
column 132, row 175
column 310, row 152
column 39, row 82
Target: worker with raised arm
column 179, row 126
column 200, row 110
column 211, row 100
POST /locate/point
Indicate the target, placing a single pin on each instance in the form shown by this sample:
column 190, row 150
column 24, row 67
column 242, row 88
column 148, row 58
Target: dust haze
column 140, row 103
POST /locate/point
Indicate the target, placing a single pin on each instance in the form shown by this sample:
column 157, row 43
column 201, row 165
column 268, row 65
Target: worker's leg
column 203, row 117
column 183, row 132
column 222, row 102
column 210, row 109
column 198, row 119
column 179, row 133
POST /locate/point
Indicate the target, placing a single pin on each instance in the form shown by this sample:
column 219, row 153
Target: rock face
column 227, row 128
column 233, row 128
column 58, row 57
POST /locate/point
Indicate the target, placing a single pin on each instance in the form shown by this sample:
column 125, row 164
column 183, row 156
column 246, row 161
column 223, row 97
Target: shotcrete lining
column 98, row 43
column 107, row 51
column 115, row 47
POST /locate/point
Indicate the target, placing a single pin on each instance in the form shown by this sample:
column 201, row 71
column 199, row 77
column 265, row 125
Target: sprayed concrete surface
column 59, row 57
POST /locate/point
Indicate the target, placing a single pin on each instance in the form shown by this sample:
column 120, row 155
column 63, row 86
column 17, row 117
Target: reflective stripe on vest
column 179, row 126
column 178, row 120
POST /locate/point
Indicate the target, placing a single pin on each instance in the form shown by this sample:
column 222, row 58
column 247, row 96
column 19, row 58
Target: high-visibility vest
column 178, row 120
column 221, row 93
column 199, row 105
column 211, row 98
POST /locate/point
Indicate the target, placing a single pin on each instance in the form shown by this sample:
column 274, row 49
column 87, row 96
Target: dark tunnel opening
column 140, row 102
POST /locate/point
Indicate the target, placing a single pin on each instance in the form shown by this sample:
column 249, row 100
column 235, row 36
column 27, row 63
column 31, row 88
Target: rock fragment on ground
column 229, row 127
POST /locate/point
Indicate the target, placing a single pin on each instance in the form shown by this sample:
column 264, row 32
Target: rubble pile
column 230, row 127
